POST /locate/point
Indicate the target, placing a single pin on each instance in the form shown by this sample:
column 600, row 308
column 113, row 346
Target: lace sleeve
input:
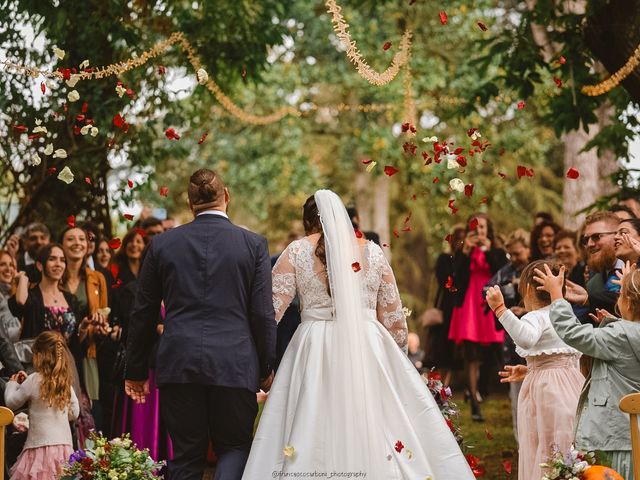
column 284, row 282
column 389, row 306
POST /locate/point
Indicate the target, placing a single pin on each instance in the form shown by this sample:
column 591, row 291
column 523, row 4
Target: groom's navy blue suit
column 218, row 341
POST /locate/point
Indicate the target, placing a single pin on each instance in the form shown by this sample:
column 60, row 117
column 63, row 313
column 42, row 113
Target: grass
column 492, row 441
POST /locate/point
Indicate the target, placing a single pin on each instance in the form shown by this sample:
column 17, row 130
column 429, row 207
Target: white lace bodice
column 299, row 270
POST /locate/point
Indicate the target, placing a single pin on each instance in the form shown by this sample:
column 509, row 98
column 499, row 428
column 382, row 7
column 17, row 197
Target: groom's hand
column 137, row 389
column 265, row 383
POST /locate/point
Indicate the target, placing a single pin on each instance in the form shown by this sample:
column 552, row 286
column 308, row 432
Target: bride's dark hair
column 311, row 222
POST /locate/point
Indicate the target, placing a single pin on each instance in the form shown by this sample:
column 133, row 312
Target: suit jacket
column 219, row 328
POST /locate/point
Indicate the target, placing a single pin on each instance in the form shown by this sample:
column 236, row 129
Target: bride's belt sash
column 327, row 314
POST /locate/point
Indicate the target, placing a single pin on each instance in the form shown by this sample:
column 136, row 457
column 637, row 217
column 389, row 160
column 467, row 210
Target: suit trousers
column 195, row 414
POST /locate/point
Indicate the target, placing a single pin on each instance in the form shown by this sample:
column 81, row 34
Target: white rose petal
column 58, row 52
column 371, row 166
column 66, row 175
column 40, row 129
column 50, row 84
column 73, row 96
column 85, row 130
column 84, row 64
column 72, row 80
column 452, row 163
column 94, row 131
column 120, row 90
column 202, row 76
column 49, row 149
column 288, row 451
column 35, row 160
column 430, row 139
column 457, row 185
column 60, row 153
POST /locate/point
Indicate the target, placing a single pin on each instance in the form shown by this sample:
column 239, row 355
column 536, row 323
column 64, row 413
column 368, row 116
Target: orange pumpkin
column 598, row 472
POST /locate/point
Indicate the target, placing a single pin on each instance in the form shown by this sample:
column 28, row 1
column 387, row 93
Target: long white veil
column 355, row 390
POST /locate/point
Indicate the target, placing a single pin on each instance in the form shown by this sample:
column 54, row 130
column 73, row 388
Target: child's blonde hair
column 630, row 289
column 526, row 279
column 52, row 360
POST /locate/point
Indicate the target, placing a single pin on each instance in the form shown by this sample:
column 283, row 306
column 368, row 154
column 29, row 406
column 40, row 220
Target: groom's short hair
column 206, row 189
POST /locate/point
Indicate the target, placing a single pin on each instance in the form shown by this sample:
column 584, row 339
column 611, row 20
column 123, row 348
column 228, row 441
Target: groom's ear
column 226, row 195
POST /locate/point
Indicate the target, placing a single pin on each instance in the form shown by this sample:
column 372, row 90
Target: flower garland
column 341, row 27
column 615, row 79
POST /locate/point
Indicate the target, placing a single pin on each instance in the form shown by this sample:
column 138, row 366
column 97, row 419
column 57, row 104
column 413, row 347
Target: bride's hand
column 265, row 384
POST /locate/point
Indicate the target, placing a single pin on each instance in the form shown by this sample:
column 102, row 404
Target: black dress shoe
column 476, row 414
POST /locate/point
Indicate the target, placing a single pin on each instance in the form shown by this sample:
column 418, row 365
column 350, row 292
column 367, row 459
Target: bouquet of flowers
column 117, row 459
column 569, row 466
column 442, row 397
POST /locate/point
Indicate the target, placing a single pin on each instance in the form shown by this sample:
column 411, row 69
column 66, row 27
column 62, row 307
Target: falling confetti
column 443, row 18
column 572, row 173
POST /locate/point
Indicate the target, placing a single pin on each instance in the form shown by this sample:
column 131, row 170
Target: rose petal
column 128, row 216
column 572, row 173
column 371, row 166
column 43, row 87
column 562, row 60
column 468, row 189
column 202, row 76
column 507, row 467
column 390, row 171
column 35, row 160
column 87, row 180
column 118, row 120
column 164, row 191
column 115, row 243
column 288, row 451
column 521, row 104
column 386, row 46
column 399, row 446
column 72, row 81
column 71, row 221
column 58, row 52
column 203, row 138
column 355, row 266
column 456, row 184
column 482, row 26
column 60, row 153
column 452, row 163
column 66, row 175
column 558, row 82
column 443, row 18
column 130, row 183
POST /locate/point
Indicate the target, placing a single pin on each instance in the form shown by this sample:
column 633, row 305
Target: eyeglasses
column 594, row 237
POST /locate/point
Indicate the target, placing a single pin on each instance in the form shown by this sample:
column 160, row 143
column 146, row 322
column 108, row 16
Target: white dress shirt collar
column 213, row 212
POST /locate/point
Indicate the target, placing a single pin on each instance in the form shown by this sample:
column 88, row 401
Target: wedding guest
column 550, row 391
column 508, row 279
column 90, row 289
column 9, row 325
column 629, row 198
column 36, row 236
column 472, row 325
column 152, row 226
column 622, row 212
column 627, row 240
column 128, row 256
column 12, row 246
column 567, row 253
column 104, row 255
column 440, row 352
column 93, row 234
column 542, row 240
column 615, row 348
column 169, row 223
column 52, row 405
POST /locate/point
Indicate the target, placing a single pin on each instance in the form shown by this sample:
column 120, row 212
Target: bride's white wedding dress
column 346, row 401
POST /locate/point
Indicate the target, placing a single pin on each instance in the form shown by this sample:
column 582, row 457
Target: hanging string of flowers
column 614, row 80
column 341, row 27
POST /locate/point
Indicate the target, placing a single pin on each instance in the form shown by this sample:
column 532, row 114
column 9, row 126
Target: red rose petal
column 117, row 284
column 473, row 224
column 130, row 183
column 164, row 191
column 203, row 138
column 572, row 173
column 562, row 60
column 43, row 87
column 436, row 180
column 507, row 467
column 71, row 221
column 358, row 233
column 488, row 434
column 115, row 243
column 118, row 120
column 171, row 134
column 366, row 161
column 20, row 128
column 449, row 284
column 454, row 210
column 85, row 106
column 396, row 234
column 399, row 446
column 390, row 171
column 87, row 180
column 386, row 46
column 443, row 18
column 161, row 70
column 468, row 189
column 558, row 82
column 115, row 270
column 355, row 266
column 523, row 171
column 521, row 104
column 482, row 26
column 51, row 171
column 128, row 216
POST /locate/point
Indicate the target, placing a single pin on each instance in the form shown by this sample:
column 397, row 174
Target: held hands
column 549, row 282
column 513, row 373
column 265, row 383
column 137, row 390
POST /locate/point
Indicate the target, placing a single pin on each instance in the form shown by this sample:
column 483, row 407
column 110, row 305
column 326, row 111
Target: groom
column 219, row 335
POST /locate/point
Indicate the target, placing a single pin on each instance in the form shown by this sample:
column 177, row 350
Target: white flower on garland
column 66, row 175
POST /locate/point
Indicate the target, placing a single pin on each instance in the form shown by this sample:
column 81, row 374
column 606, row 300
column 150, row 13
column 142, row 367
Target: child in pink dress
column 52, row 404
column 551, row 388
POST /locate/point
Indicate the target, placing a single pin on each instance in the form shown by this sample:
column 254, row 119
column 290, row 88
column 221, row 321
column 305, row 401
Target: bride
column 346, row 401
